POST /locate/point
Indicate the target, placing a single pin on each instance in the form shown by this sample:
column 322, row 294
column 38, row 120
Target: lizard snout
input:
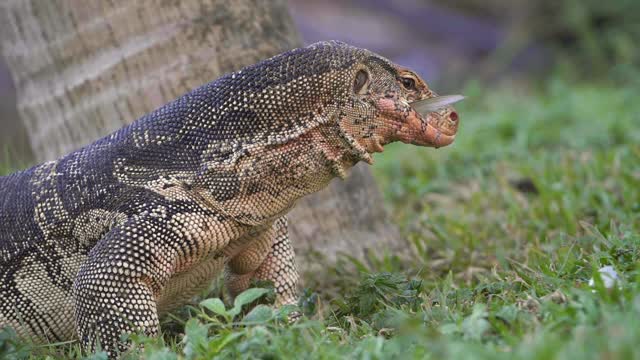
column 446, row 121
column 437, row 129
column 433, row 129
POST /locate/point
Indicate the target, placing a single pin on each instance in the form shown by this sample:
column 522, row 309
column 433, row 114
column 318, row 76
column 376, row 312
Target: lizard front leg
column 117, row 288
column 114, row 288
column 270, row 258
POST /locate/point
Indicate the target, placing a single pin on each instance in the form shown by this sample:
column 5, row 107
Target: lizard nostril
column 453, row 116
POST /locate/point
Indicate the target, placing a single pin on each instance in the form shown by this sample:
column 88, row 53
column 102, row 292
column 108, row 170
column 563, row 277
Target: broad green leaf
column 476, row 325
column 246, row 297
column 259, row 314
column 215, row 305
column 195, row 339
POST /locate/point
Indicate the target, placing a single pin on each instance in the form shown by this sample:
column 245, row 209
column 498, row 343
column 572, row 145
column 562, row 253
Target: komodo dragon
column 103, row 240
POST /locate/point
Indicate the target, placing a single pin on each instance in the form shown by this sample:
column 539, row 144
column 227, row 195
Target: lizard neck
column 266, row 181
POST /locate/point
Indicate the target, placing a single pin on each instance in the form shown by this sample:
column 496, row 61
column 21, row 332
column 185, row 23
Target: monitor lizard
column 105, row 239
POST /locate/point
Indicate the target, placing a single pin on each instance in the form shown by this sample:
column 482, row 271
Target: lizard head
column 330, row 99
column 381, row 108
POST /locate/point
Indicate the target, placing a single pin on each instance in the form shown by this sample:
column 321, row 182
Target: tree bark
column 83, row 69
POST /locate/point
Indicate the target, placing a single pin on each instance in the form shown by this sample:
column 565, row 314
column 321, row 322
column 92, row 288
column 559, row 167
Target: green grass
column 539, row 191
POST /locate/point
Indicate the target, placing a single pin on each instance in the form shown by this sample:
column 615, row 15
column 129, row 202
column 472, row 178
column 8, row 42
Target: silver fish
column 435, row 103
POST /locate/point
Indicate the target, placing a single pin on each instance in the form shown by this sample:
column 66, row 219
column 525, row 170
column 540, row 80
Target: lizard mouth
column 430, row 128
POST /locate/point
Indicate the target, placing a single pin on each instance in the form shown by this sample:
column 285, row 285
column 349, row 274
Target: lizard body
column 103, row 240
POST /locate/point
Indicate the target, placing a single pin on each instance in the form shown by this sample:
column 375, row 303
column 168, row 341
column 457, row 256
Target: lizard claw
column 293, row 317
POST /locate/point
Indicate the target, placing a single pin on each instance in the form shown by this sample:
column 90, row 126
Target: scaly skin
column 104, row 240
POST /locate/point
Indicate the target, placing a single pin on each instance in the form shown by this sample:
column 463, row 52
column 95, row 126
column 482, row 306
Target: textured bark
column 83, row 69
column 14, row 146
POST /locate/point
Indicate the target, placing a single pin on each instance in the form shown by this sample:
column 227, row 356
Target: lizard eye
column 361, row 79
column 408, row 83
